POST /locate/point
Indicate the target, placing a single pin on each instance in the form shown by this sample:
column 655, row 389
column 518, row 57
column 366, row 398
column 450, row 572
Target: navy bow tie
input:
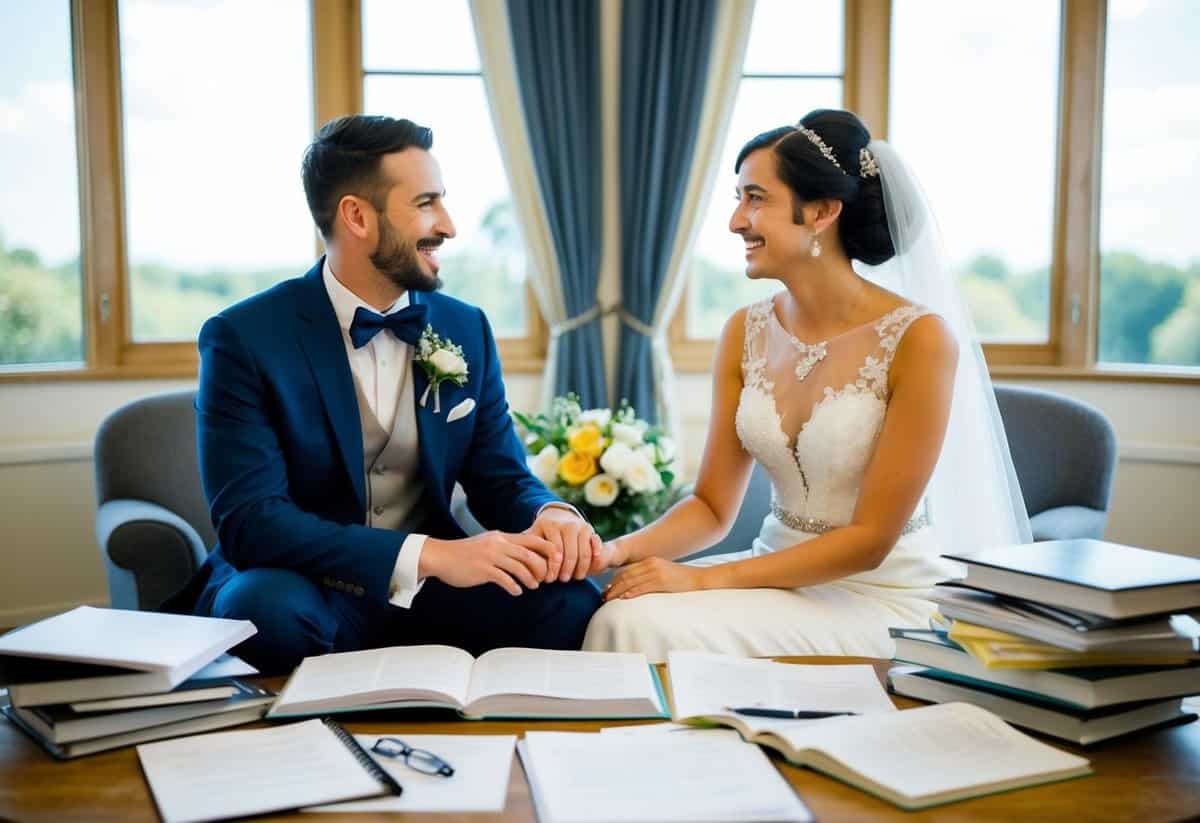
column 407, row 324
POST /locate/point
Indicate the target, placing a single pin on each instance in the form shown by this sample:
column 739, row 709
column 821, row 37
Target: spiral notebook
column 236, row 774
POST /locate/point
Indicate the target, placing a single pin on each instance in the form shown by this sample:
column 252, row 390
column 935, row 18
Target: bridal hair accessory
column 442, row 361
column 866, row 161
column 866, row 164
column 816, row 140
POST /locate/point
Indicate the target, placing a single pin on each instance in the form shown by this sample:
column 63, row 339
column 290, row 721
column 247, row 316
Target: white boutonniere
column 443, row 361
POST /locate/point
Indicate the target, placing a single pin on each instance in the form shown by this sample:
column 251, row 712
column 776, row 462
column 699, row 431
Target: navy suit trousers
column 297, row 618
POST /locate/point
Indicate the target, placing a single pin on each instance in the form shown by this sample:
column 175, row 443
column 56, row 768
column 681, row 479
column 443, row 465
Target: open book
column 926, row 756
column 705, row 686
column 501, row 683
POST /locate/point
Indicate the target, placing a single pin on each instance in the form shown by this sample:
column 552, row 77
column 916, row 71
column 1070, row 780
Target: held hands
column 578, row 546
column 654, row 574
column 508, row 560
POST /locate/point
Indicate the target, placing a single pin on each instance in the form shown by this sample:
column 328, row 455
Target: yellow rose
column 587, row 439
column 577, row 468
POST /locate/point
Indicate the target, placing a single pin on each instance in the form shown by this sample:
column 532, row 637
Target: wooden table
column 1145, row 778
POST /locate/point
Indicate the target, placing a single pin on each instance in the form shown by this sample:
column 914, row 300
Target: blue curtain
column 556, row 44
column 665, row 47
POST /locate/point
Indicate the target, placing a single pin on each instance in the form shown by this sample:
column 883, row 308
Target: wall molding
column 1144, row 451
column 1133, row 451
column 19, row 454
column 11, row 618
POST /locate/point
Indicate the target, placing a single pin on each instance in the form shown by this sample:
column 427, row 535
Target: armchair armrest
column 1068, row 522
column 149, row 552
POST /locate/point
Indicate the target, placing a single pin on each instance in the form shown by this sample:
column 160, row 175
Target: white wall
column 47, row 495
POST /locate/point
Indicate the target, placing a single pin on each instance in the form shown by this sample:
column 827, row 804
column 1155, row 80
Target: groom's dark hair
column 863, row 226
column 344, row 159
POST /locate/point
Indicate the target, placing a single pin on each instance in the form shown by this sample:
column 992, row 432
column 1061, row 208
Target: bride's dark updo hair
column 863, row 227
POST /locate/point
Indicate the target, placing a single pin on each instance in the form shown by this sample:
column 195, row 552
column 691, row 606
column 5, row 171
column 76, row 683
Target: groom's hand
column 508, row 560
column 574, row 537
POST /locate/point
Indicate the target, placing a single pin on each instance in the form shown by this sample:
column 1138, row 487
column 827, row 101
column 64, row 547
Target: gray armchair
column 152, row 523
column 1065, row 453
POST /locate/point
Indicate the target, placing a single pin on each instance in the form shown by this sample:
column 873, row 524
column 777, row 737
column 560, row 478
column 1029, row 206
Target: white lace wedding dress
column 811, row 415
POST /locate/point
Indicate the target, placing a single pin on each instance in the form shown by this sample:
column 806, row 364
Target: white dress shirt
column 380, row 368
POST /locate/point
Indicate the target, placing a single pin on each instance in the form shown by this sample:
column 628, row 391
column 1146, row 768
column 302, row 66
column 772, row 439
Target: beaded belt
column 812, row 525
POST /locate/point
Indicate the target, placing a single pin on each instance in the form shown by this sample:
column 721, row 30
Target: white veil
column 974, row 499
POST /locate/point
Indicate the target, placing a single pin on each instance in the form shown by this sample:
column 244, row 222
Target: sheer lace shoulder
column 873, row 376
column 754, row 347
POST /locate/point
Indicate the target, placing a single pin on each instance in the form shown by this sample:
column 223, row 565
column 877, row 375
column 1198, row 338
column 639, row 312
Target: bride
column 865, row 398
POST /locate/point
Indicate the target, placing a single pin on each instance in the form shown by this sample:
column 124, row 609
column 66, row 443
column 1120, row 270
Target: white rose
column 625, row 433
column 544, row 464
column 616, row 459
column 601, row 490
column 647, row 451
column 641, row 476
column 448, row 363
column 666, row 449
column 598, row 416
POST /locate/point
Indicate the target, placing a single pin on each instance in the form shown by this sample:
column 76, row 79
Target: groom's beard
column 400, row 263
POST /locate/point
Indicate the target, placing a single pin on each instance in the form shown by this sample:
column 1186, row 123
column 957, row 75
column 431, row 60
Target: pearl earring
column 815, row 248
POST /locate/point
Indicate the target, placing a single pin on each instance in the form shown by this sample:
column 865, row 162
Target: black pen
column 786, row 714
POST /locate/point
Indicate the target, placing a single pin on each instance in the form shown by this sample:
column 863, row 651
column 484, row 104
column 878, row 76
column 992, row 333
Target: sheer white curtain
column 500, row 79
column 724, row 74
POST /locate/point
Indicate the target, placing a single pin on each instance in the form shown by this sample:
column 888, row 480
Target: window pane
column 1149, row 247
column 974, row 108
column 485, row 263
column 417, row 35
column 718, row 283
column 41, row 312
column 795, row 37
column 217, row 113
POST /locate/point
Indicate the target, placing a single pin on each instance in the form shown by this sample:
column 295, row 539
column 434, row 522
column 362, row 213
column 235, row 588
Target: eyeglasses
column 416, row 759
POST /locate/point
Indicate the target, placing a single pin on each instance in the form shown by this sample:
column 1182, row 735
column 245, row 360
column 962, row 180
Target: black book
column 1085, row 688
column 63, row 724
column 1106, row 579
column 1040, row 714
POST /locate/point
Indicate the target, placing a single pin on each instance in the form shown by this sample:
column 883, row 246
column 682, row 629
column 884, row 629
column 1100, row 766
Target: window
column 1149, row 309
column 217, row 112
column 793, row 64
column 433, row 78
column 974, row 102
column 41, row 308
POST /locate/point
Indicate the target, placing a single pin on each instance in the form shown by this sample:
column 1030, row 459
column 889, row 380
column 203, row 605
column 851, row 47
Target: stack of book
column 92, row 679
column 1080, row 639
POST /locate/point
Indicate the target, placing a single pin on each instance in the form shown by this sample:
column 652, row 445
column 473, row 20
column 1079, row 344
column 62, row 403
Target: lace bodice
column 811, row 413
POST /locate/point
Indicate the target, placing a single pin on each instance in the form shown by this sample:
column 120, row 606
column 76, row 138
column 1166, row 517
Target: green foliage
column 1136, row 296
column 629, row 510
column 41, row 318
column 1177, row 341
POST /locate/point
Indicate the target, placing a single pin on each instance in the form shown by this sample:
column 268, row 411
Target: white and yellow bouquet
column 613, row 467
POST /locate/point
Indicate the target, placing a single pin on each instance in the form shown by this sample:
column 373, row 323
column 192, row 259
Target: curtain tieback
column 578, row 321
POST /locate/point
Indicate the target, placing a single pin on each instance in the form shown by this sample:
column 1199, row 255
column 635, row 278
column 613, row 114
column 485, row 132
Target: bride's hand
column 610, row 555
column 655, row 574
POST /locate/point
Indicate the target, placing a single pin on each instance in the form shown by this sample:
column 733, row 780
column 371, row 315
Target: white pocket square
column 461, row 410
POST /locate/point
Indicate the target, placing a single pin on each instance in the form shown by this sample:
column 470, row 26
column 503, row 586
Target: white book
column 236, row 774
column 500, row 683
column 653, row 778
column 705, row 686
column 92, row 653
column 924, row 757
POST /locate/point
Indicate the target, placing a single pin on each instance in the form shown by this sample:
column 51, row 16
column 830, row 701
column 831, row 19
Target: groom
column 328, row 459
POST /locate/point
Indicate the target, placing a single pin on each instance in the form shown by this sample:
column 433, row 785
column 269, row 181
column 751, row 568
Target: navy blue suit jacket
column 281, row 444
